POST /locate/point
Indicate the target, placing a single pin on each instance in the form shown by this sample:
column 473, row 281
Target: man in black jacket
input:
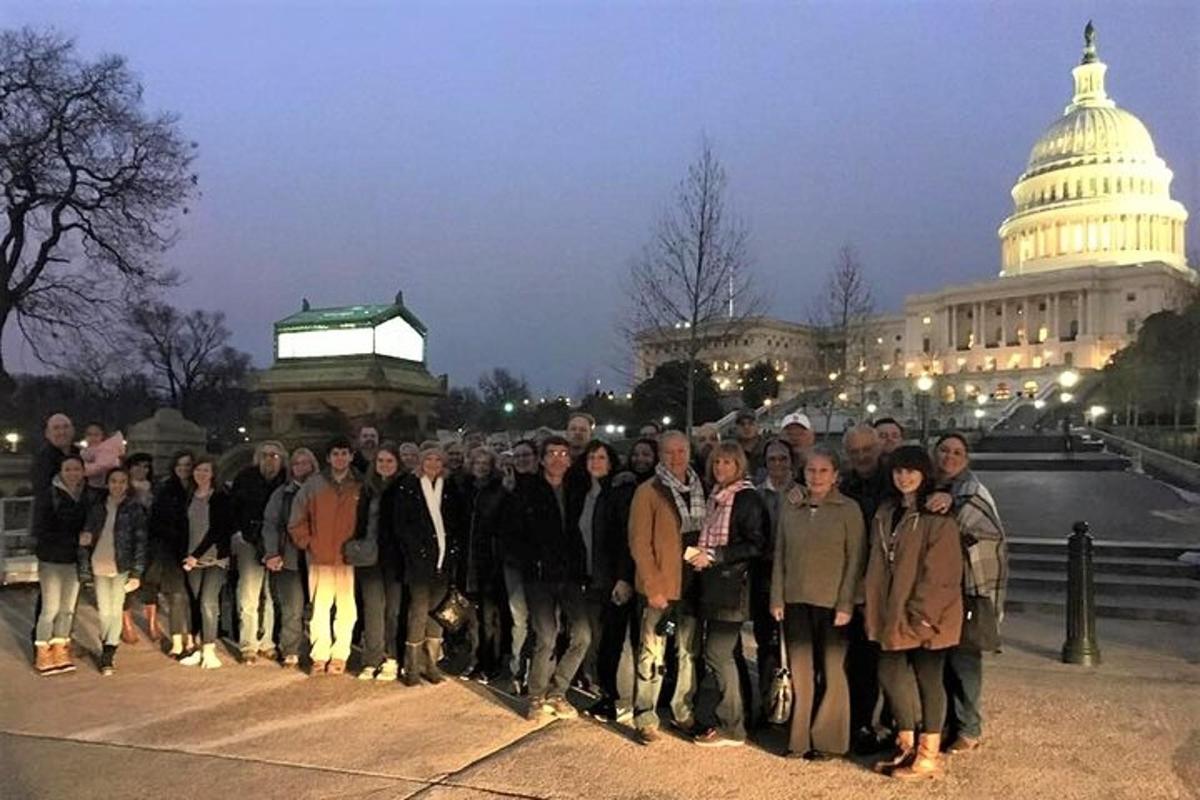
column 552, row 558
column 252, row 489
column 49, row 457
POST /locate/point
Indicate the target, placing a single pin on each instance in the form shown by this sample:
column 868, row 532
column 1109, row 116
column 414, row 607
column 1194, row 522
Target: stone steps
column 1133, row 580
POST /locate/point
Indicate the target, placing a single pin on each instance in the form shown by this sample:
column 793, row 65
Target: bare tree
column 187, row 355
column 91, row 186
column 842, row 313
column 691, row 284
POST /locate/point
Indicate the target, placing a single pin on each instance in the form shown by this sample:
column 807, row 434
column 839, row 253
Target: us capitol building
column 1094, row 245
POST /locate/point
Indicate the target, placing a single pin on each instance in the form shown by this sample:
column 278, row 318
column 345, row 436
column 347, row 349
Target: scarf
column 715, row 532
column 984, row 546
column 433, row 503
column 691, row 511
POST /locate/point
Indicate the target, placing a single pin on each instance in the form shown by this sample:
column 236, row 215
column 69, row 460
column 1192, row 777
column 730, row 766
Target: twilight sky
column 502, row 162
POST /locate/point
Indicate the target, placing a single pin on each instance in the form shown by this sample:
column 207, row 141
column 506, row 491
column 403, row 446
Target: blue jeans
column 964, row 684
column 515, row 585
column 253, row 592
column 651, row 665
column 110, row 600
column 204, row 586
column 60, row 590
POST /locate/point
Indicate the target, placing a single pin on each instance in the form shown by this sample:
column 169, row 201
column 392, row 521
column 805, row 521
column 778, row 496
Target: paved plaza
column 1128, row 729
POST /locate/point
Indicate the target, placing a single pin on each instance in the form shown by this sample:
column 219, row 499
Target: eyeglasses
column 557, row 454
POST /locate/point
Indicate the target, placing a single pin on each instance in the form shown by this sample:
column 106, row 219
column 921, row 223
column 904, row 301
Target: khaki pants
column 331, row 585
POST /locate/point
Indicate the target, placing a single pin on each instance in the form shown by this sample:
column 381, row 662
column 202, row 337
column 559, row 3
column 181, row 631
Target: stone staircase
column 1134, row 580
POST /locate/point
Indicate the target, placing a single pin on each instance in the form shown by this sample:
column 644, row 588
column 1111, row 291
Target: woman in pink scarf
column 732, row 537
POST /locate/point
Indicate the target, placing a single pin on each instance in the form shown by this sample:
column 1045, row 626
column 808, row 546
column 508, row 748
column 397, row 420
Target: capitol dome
column 1095, row 192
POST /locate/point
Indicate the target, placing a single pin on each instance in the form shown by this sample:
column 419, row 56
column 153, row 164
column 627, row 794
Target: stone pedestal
column 162, row 435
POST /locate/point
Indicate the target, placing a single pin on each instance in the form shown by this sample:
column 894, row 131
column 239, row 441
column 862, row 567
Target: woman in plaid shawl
column 985, row 557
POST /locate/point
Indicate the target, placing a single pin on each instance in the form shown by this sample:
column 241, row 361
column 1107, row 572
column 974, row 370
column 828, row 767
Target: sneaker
column 648, row 736
column 624, row 715
column 209, row 659
column 366, row 674
column 558, row 707
column 318, row 668
column 714, row 738
column 389, row 671
column 107, row 656
column 686, row 727
column 192, row 659
column 291, row 662
column 603, row 709
column 336, row 666
column 249, row 657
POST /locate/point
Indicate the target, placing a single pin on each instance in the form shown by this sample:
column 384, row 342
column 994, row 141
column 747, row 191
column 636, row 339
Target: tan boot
column 928, row 763
column 906, row 751
column 152, row 622
column 60, row 656
column 129, row 634
column 42, row 662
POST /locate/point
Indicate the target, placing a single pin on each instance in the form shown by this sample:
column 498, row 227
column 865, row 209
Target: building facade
column 1095, row 244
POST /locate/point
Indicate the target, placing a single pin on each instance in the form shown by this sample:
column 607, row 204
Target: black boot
column 107, row 655
column 430, row 671
column 412, row 664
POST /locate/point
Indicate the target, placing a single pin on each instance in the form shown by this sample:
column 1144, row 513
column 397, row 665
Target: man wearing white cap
column 797, row 432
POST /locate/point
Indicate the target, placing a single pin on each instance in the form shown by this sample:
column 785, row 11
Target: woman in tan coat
column 914, row 610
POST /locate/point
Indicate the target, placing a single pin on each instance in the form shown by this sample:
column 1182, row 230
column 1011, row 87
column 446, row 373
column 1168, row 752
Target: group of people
column 876, row 572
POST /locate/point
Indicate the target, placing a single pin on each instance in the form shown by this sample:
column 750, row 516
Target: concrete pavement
column 1128, row 729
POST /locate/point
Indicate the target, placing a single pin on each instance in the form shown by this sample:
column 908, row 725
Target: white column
column 1003, row 323
column 1053, row 318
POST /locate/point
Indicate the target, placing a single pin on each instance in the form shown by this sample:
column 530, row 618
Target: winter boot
column 152, row 621
column 129, row 634
column 903, row 756
column 412, row 663
column 43, row 662
column 433, row 652
column 60, row 656
column 928, row 763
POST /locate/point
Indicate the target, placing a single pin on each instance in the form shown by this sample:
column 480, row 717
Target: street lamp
column 666, row 421
column 509, row 407
column 924, row 386
column 12, row 437
column 872, row 408
column 1068, row 379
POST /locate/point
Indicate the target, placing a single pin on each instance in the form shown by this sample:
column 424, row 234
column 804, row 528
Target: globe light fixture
column 981, row 399
column 980, row 413
column 610, row 429
column 924, row 383
column 872, row 408
column 509, row 407
column 666, row 421
column 1066, row 397
column 1039, row 404
column 1068, row 379
column 1096, row 412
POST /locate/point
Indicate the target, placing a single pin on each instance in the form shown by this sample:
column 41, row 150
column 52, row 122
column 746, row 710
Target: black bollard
column 1081, row 646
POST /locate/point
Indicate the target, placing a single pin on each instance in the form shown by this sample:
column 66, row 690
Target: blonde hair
column 730, row 450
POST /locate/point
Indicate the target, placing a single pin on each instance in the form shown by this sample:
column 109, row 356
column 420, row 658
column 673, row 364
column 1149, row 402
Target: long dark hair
column 614, row 460
column 914, row 458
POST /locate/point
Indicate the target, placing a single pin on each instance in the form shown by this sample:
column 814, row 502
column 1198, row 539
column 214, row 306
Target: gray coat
column 276, row 541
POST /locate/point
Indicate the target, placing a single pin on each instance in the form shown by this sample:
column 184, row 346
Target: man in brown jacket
column 323, row 519
column 665, row 517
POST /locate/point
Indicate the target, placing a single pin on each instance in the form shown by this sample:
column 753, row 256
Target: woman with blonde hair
column 731, row 538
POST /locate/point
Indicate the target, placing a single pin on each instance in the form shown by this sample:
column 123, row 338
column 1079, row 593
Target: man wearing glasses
column 252, row 488
column 552, row 562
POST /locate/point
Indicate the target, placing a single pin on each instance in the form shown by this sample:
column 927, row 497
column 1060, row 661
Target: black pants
column 817, row 652
column 766, row 645
column 423, row 597
column 912, row 683
column 719, row 696
column 862, row 668
column 545, row 599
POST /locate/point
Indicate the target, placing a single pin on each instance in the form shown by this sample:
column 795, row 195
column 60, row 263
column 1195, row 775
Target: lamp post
column 924, row 385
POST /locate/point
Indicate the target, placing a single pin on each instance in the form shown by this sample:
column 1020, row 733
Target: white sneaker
column 192, row 659
column 367, row 674
column 209, row 660
column 389, row 671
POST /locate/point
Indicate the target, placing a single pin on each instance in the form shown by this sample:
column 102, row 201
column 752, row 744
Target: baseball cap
column 796, row 418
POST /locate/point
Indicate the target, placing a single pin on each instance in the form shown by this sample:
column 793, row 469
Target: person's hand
column 85, row 539
column 132, row 585
column 841, row 619
column 777, row 613
column 939, row 502
column 657, row 601
column 701, row 560
column 273, row 563
column 621, row 593
column 797, row 496
column 189, row 563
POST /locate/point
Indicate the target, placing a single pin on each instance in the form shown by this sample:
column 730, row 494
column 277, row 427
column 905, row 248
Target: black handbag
column 454, row 610
column 981, row 629
column 781, row 697
column 362, row 552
